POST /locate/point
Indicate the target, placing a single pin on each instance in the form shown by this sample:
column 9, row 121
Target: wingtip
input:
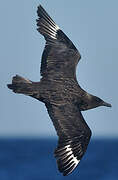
column 67, row 158
column 40, row 7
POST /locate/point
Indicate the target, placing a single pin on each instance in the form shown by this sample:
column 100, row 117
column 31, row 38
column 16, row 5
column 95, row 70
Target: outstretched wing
column 60, row 56
column 74, row 135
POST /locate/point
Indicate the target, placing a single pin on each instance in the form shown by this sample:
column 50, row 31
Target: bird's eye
column 98, row 100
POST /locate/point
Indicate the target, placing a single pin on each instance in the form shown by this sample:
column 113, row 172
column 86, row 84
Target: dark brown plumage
column 61, row 93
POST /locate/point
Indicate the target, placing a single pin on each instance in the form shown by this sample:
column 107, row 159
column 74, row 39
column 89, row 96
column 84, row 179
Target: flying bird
column 59, row 90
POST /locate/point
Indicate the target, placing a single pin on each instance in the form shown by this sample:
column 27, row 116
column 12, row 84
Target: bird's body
column 59, row 90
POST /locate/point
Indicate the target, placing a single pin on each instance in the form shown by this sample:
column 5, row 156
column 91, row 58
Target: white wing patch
column 68, row 157
column 53, row 31
column 68, row 148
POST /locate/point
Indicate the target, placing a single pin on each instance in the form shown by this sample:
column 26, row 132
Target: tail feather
column 21, row 85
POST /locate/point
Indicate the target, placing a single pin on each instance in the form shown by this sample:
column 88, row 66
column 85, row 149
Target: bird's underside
column 62, row 95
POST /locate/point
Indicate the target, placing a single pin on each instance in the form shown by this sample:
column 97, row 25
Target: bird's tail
column 21, row 85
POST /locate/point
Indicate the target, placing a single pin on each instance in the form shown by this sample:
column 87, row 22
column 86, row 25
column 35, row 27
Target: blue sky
column 93, row 28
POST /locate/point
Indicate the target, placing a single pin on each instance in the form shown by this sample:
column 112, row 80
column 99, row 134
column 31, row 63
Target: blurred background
column 27, row 135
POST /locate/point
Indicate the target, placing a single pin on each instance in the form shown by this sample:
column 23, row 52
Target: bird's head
column 99, row 102
column 91, row 102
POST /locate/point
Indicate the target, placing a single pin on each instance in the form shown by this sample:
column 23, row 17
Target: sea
column 32, row 159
